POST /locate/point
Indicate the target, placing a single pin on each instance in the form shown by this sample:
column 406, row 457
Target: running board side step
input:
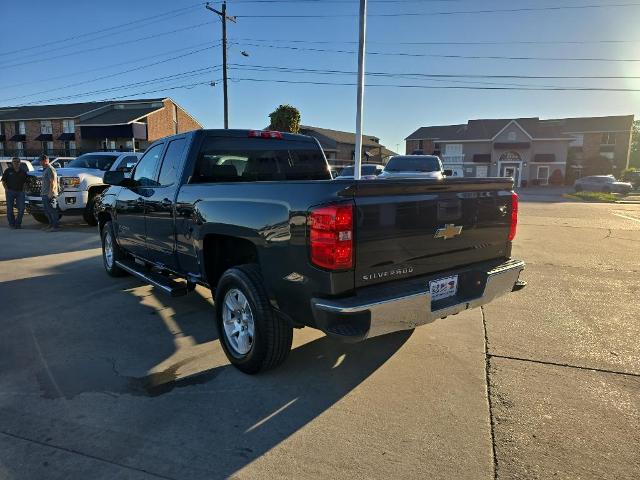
column 163, row 283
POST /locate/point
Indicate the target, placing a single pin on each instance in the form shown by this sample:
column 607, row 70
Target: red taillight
column 514, row 215
column 331, row 236
column 265, row 134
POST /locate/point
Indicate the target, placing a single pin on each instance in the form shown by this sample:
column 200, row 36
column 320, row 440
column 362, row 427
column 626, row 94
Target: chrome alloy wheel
column 237, row 318
column 108, row 250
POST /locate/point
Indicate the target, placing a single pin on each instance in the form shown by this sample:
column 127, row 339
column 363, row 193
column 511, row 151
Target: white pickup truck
column 81, row 181
column 6, row 165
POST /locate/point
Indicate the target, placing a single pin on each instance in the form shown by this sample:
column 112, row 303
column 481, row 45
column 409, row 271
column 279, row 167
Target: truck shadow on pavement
column 100, row 357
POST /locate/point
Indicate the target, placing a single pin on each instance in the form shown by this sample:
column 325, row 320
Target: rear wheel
column 39, row 217
column 578, row 188
column 111, row 252
column 89, row 214
column 253, row 337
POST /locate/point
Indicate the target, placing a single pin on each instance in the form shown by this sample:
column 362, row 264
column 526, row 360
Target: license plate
column 443, row 287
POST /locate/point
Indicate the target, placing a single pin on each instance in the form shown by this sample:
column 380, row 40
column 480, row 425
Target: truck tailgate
column 408, row 228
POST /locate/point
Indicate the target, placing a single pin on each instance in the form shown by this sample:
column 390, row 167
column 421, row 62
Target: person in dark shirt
column 13, row 180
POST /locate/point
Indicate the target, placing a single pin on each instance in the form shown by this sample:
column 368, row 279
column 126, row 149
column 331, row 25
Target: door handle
column 166, row 203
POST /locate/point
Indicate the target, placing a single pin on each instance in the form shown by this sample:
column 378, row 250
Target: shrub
column 285, row 118
column 556, row 177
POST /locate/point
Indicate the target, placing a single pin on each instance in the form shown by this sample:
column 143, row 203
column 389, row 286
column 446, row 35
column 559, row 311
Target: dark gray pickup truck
column 256, row 217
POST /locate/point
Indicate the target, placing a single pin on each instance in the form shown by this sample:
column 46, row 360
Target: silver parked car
column 369, row 170
column 601, row 183
column 414, row 166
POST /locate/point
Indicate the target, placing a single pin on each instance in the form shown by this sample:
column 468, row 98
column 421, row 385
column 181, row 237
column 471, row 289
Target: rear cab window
column 237, row 159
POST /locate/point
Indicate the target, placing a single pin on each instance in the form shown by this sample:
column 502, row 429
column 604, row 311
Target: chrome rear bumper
column 387, row 308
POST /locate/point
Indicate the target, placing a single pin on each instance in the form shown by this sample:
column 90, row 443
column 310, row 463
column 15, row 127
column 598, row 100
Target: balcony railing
column 447, row 159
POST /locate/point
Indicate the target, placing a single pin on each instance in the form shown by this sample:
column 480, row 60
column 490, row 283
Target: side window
column 172, row 163
column 127, row 163
column 146, row 169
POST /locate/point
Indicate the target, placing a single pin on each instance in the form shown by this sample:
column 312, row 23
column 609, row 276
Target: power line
column 477, row 42
column 444, row 75
column 124, row 42
column 389, row 75
column 114, row 27
column 189, row 73
column 166, row 89
column 456, row 87
column 441, row 55
column 121, row 72
column 459, row 12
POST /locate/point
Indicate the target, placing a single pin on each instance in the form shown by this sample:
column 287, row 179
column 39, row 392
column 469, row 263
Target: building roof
column 119, row 116
column 338, row 136
column 63, row 110
column 486, row 129
column 618, row 123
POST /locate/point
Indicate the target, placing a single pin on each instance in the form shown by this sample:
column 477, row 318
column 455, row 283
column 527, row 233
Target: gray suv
column 601, row 183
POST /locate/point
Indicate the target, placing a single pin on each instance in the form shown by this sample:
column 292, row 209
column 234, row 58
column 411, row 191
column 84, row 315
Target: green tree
column 285, row 118
column 634, row 159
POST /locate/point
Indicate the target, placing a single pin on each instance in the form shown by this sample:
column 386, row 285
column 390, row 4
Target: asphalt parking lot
column 105, row 378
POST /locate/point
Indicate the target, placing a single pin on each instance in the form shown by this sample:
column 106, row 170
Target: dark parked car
column 256, row 217
column 601, row 183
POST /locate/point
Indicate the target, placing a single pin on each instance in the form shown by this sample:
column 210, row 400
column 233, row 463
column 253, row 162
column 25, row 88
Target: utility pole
column 360, row 106
column 224, row 18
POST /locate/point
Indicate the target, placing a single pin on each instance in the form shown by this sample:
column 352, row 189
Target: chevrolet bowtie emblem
column 448, row 231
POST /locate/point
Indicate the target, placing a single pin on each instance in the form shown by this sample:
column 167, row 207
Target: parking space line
column 627, row 217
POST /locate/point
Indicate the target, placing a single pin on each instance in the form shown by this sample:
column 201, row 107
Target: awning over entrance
column 18, row 138
column 44, row 137
column 67, row 137
column 131, row 130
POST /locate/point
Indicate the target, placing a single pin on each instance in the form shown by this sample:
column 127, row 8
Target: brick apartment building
column 340, row 147
column 529, row 149
column 71, row 129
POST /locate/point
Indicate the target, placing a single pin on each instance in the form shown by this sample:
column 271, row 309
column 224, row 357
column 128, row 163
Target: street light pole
column 360, row 106
column 224, row 18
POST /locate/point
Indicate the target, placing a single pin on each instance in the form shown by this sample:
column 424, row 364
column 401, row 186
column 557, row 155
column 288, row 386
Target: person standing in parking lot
column 13, row 180
column 49, row 192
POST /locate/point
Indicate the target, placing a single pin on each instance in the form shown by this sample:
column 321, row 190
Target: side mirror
column 117, row 178
column 448, row 173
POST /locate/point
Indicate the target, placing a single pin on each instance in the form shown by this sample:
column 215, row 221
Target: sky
column 71, row 51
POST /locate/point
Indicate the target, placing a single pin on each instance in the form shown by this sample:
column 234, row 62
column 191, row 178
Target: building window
column 453, row 149
column 109, row 145
column 511, row 136
column 578, row 140
column 45, row 127
column 68, row 126
column 420, row 144
column 70, row 149
column 608, row 138
column 21, row 128
column 47, row 148
column 608, row 155
column 1, row 149
column 20, row 149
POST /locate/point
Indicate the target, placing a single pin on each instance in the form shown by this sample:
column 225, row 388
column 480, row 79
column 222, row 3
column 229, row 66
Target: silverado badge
column 448, row 231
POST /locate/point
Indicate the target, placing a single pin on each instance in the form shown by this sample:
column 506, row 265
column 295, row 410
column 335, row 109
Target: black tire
column 273, row 336
column 111, row 268
column 89, row 214
column 578, row 188
column 40, row 218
